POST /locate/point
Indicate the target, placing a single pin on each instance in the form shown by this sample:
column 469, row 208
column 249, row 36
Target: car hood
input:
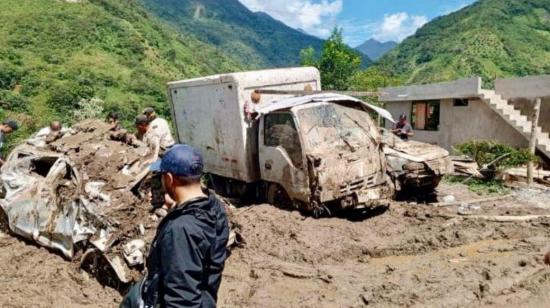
column 415, row 151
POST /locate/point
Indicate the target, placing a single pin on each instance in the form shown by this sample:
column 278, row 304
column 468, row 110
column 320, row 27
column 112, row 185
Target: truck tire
column 234, row 190
column 277, row 195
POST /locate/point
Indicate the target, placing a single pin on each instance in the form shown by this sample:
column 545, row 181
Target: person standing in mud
column 147, row 136
column 187, row 256
column 402, row 128
column 160, row 127
column 7, row 127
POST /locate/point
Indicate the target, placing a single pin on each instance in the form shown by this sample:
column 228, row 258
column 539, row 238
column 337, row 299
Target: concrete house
column 450, row 113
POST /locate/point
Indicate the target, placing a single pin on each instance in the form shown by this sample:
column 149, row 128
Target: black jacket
column 185, row 264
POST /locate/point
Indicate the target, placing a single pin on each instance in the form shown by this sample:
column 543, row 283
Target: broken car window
column 280, row 130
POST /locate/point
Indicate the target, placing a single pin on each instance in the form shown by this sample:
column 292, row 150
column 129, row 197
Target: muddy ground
column 410, row 255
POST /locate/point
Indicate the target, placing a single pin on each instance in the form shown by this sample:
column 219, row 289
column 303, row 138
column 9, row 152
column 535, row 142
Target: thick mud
column 412, row 255
column 31, row 276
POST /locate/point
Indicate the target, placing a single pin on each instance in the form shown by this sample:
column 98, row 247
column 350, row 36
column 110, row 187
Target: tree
column 372, row 79
column 338, row 62
column 307, row 57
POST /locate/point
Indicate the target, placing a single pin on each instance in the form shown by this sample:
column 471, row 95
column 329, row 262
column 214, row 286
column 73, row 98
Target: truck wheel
column 236, row 191
column 276, row 195
column 4, row 222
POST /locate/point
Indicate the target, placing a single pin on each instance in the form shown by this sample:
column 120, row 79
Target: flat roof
column 462, row 88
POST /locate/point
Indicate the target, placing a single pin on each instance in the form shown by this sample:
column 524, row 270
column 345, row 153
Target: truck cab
column 312, row 152
column 321, row 149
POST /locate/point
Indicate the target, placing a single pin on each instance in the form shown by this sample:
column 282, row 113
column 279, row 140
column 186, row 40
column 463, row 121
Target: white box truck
column 314, row 152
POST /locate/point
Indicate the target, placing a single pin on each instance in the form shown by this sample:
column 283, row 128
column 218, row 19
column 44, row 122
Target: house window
column 460, row 102
column 425, row 115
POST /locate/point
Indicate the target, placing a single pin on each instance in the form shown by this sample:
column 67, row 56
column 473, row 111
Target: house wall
column 520, row 90
column 527, row 87
column 461, row 124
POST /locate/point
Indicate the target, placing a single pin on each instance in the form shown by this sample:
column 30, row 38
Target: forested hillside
column 489, row 38
column 54, row 53
column 254, row 39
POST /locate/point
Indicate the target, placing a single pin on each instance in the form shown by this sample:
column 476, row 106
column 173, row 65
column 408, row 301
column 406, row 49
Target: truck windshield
column 336, row 126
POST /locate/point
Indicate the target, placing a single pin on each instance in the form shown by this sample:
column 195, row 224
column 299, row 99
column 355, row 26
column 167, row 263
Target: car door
column 281, row 155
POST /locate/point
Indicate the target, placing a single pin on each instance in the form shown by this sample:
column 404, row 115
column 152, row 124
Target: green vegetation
column 501, row 155
column 338, row 62
column 373, row 79
column 479, row 186
column 491, row 38
column 254, row 39
column 54, row 54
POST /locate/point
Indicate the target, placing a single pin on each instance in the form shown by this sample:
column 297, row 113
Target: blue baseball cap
column 180, row 160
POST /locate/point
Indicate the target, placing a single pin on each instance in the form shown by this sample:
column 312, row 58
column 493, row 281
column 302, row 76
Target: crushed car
column 415, row 165
column 86, row 196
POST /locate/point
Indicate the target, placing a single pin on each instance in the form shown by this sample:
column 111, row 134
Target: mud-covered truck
column 314, row 152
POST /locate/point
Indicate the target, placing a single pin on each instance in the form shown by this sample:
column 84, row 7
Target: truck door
column 281, row 158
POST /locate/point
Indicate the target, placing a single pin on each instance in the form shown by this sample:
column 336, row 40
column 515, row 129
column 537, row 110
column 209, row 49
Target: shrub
column 486, row 151
column 88, row 109
column 13, row 101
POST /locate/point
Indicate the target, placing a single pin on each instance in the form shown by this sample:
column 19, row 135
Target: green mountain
column 489, row 38
column 54, row 53
column 254, row 39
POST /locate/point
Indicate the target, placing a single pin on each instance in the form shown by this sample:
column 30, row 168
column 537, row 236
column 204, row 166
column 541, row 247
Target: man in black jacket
column 187, row 256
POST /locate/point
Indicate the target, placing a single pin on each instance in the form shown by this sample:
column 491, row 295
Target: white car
column 413, row 164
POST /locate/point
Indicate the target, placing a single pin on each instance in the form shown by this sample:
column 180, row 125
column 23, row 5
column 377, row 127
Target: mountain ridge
column 375, row 49
column 255, row 37
column 490, row 38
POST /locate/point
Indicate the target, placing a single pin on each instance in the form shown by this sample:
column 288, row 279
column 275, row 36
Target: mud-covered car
column 84, row 196
column 413, row 164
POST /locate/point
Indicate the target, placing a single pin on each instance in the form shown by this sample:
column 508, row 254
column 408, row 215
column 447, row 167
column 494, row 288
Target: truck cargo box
column 209, row 115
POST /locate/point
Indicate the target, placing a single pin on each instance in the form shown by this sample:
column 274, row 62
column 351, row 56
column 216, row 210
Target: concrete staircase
column 518, row 121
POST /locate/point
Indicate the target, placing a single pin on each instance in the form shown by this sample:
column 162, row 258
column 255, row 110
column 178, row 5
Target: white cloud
column 315, row 17
column 398, row 26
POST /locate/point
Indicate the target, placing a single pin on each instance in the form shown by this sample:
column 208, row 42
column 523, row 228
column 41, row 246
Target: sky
column 384, row 20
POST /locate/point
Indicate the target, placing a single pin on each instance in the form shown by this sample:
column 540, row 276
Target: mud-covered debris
column 133, row 252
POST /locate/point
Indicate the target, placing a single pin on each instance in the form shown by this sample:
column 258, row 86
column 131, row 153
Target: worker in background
column 402, row 128
column 161, row 127
column 147, row 136
column 7, row 127
column 187, row 256
column 250, row 106
column 54, row 127
column 113, row 118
